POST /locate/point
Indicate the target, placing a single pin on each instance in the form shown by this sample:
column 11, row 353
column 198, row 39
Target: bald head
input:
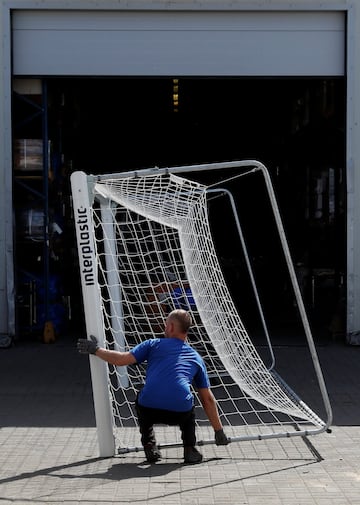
column 178, row 322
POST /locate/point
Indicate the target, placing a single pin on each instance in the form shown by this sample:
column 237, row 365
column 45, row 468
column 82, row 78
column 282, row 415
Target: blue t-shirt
column 172, row 366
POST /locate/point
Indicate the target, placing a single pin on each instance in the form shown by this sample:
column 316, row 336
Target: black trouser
column 147, row 417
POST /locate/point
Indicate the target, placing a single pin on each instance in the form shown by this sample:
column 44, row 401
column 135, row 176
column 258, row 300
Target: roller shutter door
column 146, row 43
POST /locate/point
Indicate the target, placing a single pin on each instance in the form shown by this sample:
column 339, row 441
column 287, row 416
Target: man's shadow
column 118, row 470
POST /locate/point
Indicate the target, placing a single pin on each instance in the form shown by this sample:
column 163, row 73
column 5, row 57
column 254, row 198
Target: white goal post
column 146, row 247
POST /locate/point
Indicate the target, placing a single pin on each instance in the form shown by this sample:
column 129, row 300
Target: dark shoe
column 192, row 455
column 152, row 453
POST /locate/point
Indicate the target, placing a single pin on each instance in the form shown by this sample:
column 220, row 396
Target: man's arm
column 117, row 358
column 209, row 405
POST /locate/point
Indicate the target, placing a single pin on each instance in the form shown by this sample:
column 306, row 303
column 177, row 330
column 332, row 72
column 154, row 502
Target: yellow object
column 49, row 333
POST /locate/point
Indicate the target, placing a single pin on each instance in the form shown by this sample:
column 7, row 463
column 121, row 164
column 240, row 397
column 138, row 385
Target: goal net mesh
column 155, row 252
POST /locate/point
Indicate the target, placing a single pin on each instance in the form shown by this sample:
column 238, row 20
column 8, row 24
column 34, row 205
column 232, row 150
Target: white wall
column 353, row 173
column 7, row 318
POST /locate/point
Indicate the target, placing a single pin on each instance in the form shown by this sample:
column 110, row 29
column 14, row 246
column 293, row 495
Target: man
column 166, row 398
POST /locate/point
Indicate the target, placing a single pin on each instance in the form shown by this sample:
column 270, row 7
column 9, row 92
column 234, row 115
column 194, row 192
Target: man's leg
column 146, row 426
column 187, row 427
column 186, row 421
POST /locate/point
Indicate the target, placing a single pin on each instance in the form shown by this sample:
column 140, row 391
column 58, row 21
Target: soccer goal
column 146, row 247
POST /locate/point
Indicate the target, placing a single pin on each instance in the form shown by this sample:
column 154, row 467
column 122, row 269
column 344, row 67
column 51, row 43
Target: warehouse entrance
column 294, row 126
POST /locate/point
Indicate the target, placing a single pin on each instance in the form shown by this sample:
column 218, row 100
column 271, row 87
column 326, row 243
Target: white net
column 155, row 253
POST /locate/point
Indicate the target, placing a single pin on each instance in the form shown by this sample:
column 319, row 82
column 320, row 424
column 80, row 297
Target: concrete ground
column 49, row 452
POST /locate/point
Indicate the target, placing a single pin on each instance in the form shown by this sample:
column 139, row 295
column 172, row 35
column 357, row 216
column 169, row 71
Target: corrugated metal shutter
column 157, row 43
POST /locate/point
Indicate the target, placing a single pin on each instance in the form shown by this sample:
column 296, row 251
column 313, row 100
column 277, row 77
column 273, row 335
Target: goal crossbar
column 145, row 247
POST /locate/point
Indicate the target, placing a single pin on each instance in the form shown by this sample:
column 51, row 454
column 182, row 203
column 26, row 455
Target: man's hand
column 221, row 438
column 86, row 346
